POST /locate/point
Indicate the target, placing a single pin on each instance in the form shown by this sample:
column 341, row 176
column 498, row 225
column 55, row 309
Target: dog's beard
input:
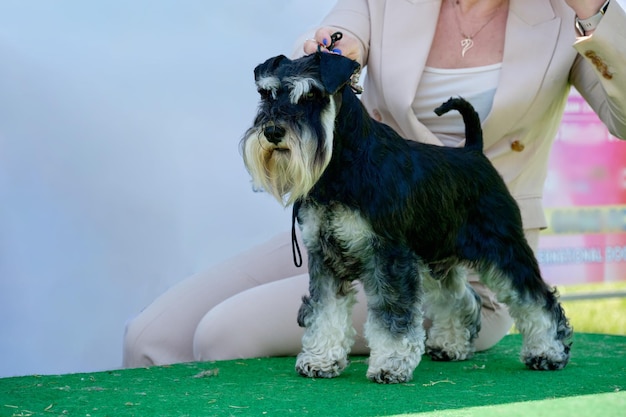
column 288, row 171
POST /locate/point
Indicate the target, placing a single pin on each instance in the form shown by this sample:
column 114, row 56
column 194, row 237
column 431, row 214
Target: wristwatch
column 585, row 25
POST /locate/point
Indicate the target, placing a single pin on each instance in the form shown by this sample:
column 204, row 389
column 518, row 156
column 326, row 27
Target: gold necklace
column 468, row 40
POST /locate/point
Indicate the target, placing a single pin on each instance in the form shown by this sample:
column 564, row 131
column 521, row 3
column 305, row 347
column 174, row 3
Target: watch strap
column 585, row 25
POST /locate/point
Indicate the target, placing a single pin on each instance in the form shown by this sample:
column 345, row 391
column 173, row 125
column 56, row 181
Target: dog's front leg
column 394, row 327
column 327, row 318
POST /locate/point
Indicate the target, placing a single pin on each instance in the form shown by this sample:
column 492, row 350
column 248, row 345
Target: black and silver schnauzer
column 404, row 218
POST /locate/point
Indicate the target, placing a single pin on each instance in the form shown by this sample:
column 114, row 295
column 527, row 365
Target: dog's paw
column 543, row 363
column 383, row 376
column 392, row 370
column 443, row 355
column 311, row 367
column 551, row 360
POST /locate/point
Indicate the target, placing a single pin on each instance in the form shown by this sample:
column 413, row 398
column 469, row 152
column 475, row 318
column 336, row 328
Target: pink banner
column 585, row 200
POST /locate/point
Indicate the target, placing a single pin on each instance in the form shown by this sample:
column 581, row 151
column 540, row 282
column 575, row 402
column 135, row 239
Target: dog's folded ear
column 268, row 66
column 336, row 71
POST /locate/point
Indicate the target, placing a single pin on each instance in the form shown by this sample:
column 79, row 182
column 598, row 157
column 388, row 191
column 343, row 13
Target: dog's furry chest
column 338, row 236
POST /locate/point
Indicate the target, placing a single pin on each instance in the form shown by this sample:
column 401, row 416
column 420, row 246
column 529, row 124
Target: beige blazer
column 542, row 59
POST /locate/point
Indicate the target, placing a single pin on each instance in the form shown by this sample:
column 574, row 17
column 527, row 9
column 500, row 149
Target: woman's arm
column 599, row 73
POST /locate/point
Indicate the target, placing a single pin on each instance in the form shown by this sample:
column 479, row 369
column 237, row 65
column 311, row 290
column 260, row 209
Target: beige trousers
column 247, row 307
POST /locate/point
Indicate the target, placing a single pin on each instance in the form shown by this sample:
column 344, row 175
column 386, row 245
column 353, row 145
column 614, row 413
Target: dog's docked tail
column 473, row 130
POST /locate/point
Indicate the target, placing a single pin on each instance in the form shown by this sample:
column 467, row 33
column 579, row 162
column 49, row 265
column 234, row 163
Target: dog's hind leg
column 454, row 309
column 394, row 327
column 534, row 306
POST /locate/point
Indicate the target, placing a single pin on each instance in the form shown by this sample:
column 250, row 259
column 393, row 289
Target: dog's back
column 390, row 180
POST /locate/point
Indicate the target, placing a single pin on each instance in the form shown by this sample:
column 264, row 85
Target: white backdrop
column 120, row 172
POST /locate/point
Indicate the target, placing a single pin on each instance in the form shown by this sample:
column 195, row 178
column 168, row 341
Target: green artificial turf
column 270, row 387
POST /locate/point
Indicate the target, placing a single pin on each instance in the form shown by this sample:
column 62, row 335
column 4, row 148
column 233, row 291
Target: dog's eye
column 266, row 94
column 310, row 96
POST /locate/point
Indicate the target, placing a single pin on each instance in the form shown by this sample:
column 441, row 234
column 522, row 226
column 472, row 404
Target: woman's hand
column 347, row 46
column 585, row 8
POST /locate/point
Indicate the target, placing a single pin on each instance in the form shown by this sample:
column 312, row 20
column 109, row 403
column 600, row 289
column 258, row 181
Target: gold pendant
column 466, row 45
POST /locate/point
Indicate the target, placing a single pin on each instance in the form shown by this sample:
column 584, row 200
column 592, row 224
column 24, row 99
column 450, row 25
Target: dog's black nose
column 274, row 134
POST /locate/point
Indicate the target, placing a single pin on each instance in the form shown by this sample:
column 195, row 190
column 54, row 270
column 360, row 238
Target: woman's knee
column 255, row 323
column 157, row 337
column 134, row 352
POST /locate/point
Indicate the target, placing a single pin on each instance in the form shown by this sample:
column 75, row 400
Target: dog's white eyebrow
column 269, row 83
column 301, row 86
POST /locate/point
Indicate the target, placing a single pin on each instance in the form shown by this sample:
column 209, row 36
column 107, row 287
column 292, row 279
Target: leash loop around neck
column 295, row 247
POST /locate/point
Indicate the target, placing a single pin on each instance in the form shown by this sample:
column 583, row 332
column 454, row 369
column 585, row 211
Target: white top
column 476, row 85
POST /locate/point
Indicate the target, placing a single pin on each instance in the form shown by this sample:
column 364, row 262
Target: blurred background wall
column 120, row 172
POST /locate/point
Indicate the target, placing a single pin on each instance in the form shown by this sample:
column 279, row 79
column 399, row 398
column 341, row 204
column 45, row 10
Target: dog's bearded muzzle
column 281, row 160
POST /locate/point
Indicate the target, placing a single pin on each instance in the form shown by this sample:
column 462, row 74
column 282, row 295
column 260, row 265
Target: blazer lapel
column 409, row 27
column 531, row 37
